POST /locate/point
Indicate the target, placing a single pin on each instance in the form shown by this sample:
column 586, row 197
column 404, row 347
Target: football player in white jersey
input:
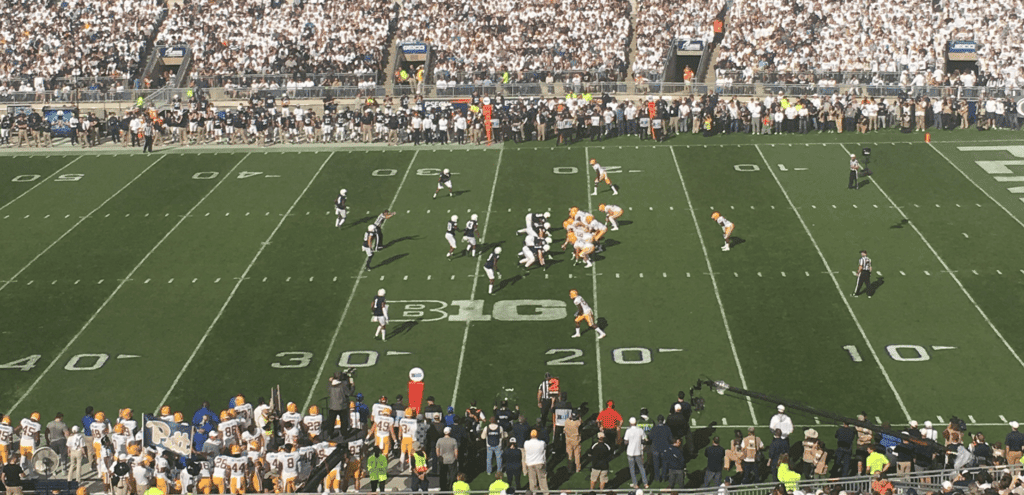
column 313, row 422
column 407, row 427
column 6, row 436
column 613, row 213
column 583, row 248
column 382, row 432
column 727, row 228
column 29, row 430
column 371, row 244
column 584, row 313
column 340, row 208
column 602, row 175
column 449, row 235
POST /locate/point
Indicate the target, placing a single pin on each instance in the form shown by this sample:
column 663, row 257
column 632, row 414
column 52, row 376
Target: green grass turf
column 237, row 297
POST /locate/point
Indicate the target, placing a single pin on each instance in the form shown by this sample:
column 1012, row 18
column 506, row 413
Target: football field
column 132, row 280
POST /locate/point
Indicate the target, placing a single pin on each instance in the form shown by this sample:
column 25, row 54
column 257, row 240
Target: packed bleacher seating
column 518, row 35
column 658, row 22
column 902, row 39
column 263, row 37
column 43, row 39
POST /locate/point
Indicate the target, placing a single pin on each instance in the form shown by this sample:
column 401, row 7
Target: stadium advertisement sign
column 963, row 46
column 414, row 48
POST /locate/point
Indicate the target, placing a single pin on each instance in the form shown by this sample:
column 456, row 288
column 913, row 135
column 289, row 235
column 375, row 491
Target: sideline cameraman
column 339, row 387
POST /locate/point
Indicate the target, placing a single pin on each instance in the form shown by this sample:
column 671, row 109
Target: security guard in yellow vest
column 499, row 487
column 419, row 468
column 377, row 465
column 460, row 487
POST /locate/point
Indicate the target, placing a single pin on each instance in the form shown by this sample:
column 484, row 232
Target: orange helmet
column 6, row 420
column 34, row 416
column 224, row 416
column 600, row 207
column 179, row 418
column 134, row 449
column 715, row 215
column 126, row 413
column 292, row 407
column 239, row 400
column 148, row 460
column 593, row 161
column 82, row 490
column 573, row 294
column 590, row 218
column 410, row 412
column 235, row 450
column 119, row 428
column 573, row 211
column 165, row 411
column 100, row 417
column 313, row 410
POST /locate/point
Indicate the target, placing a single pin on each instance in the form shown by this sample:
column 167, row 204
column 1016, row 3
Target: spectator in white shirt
column 782, row 422
column 634, row 439
column 536, row 469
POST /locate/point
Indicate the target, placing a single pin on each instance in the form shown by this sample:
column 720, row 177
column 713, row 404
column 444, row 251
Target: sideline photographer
column 340, row 387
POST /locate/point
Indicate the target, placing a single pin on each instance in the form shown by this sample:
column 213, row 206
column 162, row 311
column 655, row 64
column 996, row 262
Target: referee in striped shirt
column 855, row 168
column 863, row 275
column 379, row 223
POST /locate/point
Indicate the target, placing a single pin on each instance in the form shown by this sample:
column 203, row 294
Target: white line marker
column 428, row 277
column 783, row 274
column 758, row 274
column 47, row 179
column 1002, row 418
column 355, row 287
column 734, row 274
column 926, row 273
column 835, row 282
column 940, row 419
column 958, row 169
column 878, row 420
column 817, row 421
column 664, row 275
column 289, row 279
column 974, row 272
column 971, row 418
column 616, row 275
column 147, row 280
column 999, row 272
column 405, row 277
column 234, row 289
column 641, row 275
column 195, row 280
column 217, row 281
column 97, row 283
column 714, row 284
column 902, row 273
column 687, row 274
column 171, row 281
column 965, row 235
column 476, row 272
column 79, row 222
column 725, row 422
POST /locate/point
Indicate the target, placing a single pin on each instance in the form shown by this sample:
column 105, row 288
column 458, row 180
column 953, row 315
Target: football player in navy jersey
column 340, row 208
column 379, row 309
column 450, row 230
column 491, row 267
column 470, row 234
column 534, row 223
column 444, row 181
column 370, row 243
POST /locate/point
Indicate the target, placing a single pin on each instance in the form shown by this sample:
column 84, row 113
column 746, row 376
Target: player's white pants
column 529, row 257
column 451, row 240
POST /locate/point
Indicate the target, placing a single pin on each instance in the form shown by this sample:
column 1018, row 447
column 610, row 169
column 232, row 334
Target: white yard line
column 593, row 272
column 121, row 284
column 234, row 289
column 476, row 275
column 348, row 304
column 842, row 295
column 37, row 184
column 79, row 222
column 958, row 169
column 948, row 269
column 714, row 285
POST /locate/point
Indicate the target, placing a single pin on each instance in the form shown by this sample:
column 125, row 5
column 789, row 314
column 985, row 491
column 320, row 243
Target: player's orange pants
column 589, row 317
column 205, row 486
column 238, row 485
column 219, row 483
column 4, row 453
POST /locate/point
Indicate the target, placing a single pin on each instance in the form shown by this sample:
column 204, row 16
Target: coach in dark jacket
column 661, row 440
column 676, row 465
column 339, row 388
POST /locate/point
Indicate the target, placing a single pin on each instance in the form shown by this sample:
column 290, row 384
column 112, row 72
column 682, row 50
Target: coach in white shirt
column 782, row 422
column 536, row 470
column 634, row 439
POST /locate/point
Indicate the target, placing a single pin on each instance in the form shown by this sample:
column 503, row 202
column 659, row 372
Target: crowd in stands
column 261, row 447
column 44, row 39
column 881, row 42
column 275, row 37
column 474, row 36
column 658, row 22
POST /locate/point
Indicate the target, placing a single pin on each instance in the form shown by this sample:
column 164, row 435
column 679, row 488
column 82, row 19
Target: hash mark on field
column 53, row 283
column 902, row 273
column 206, row 215
column 974, row 272
column 940, row 419
column 97, row 283
column 147, row 280
column 971, row 418
column 289, row 279
column 616, row 275
column 405, row 277
column 104, row 216
column 965, row 235
column 783, row 274
column 195, row 280
column 999, row 272
column 817, row 421
column 264, row 279
column 926, row 273
column 217, row 281
column 725, row 422
column 641, row 275
column 47, row 216
column 759, row 274
column 428, row 277
column 878, row 420
column 664, row 275
column 979, row 206
column 1002, row 418
column 170, row 281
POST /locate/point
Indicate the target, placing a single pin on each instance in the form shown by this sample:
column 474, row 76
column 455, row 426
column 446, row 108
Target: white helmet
column 381, row 292
column 344, row 192
column 547, row 247
column 455, row 218
column 446, row 172
column 473, row 217
column 370, row 228
column 497, row 250
column 547, row 214
column 547, row 225
column 547, row 240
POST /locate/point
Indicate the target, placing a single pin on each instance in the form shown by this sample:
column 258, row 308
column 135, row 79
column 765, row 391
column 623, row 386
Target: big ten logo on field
column 1000, row 169
column 426, row 310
